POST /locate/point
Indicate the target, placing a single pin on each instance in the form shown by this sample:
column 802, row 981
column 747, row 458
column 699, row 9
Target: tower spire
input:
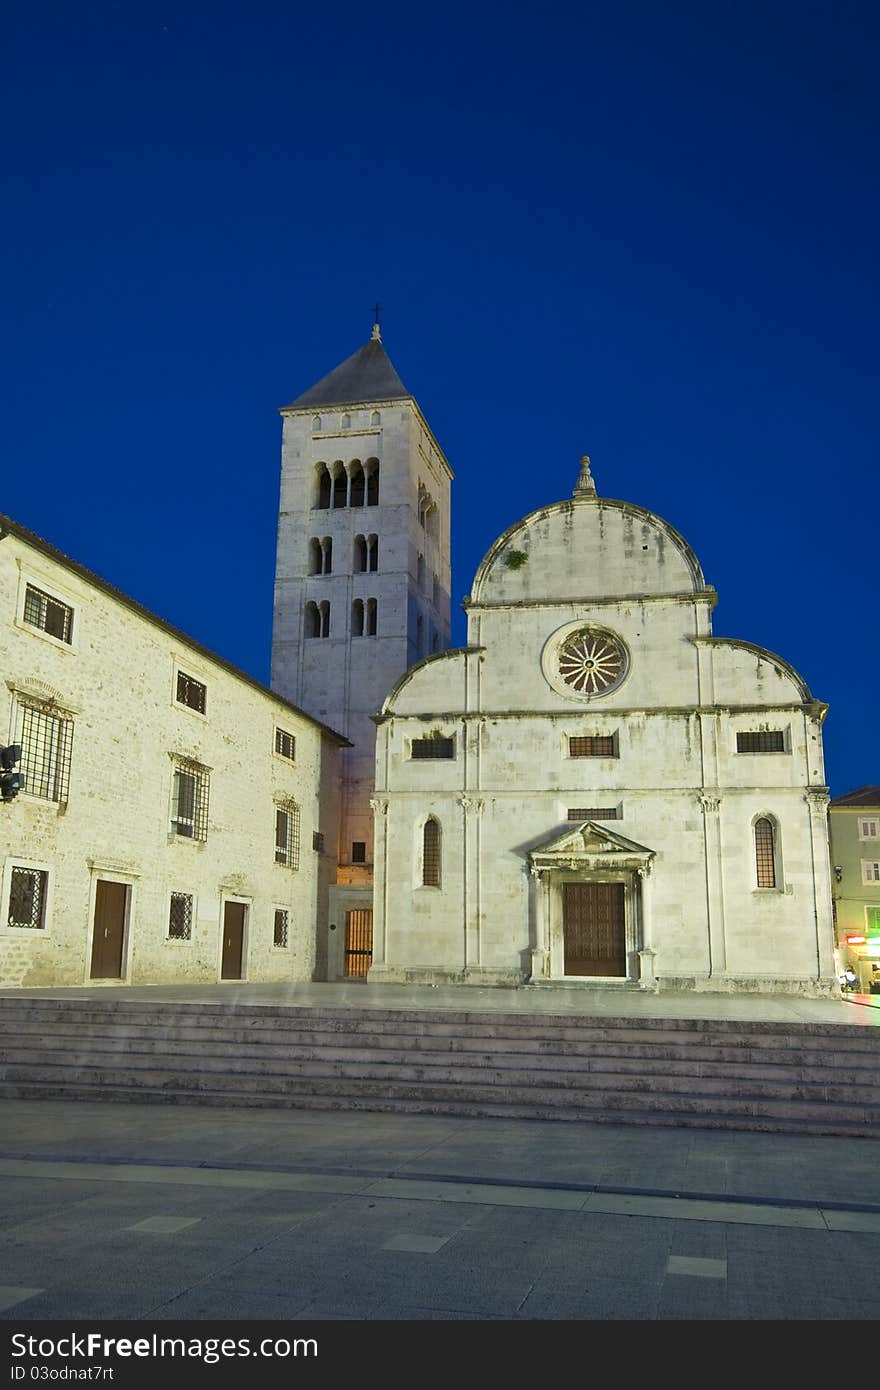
column 585, row 487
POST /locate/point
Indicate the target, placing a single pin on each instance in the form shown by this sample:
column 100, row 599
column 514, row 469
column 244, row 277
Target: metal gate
column 358, row 942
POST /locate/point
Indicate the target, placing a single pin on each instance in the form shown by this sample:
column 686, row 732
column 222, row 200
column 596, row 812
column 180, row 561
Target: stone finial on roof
column 585, row 487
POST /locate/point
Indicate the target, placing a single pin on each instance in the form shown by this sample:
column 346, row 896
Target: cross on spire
column 376, row 330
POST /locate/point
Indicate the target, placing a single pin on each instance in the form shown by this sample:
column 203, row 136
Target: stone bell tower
column 362, row 587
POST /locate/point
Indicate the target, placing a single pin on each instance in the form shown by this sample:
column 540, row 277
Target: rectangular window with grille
column 761, row 741
column 180, row 917
column 285, row 744
column 871, row 871
column 592, row 746
column 27, row 898
column 48, row 614
column 191, row 693
column 359, row 852
column 189, row 801
column 432, row 748
column 280, row 935
column 594, row 813
column 287, row 835
column 46, row 741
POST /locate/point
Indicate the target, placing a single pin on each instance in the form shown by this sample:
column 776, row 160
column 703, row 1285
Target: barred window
column 46, row 741
column 191, row 692
column 434, row 746
column 180, row 916
column 48, row 614
column 592, row 746
column 318, row 841
column 761, row 741
column 359, row 852
column 280, row 935
column 189, row 801
column 765, row 857
column 285, row 744
column 27, row 898
column 594, row 813
column 431, row 854
column 287, row 835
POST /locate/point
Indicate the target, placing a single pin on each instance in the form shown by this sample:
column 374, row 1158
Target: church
column 594, row 791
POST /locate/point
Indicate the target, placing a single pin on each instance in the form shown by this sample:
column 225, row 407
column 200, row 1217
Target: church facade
column 596, row 788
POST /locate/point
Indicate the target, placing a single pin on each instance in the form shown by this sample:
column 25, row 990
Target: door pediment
column 589, row 846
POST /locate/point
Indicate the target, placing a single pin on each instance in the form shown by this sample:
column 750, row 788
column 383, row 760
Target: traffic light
column 11, row 782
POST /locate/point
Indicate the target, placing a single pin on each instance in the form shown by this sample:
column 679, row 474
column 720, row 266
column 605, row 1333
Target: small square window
column 318, row 841
column 280, row 936
column 48, row 614
column 191, row 693
column 180, row 917
column 761, row 741
column 359, row 852
column 592, row 746
column 285, row 744
column 27, row 898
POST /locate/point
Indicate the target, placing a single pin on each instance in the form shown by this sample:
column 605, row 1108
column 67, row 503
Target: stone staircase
column 803, row 1078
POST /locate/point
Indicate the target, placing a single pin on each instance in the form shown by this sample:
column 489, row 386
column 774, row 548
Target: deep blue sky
column 640, row 229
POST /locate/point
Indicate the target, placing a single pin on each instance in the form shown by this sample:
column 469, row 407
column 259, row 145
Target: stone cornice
column 706, row 595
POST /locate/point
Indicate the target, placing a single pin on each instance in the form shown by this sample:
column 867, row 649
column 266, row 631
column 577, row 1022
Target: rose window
column 591, row 663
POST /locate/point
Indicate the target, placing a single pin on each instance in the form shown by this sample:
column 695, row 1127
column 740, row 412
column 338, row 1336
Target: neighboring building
column 854, row 821
column 170, row 824
column 596, row 787
column 361, row 586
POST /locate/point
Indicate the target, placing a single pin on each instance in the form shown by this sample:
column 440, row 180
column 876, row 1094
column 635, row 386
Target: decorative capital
column 471, row 803
column 585, row 487
column 817, row 799
column 709, row 803
column 379, row 805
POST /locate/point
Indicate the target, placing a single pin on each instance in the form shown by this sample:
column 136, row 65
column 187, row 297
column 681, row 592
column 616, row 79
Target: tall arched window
column 346, row 422
column 371, row 617
column 316, row 422
column 340, row 486
column 325, row 619
column 372, row 553
column 360, row 554
column 316, row 557
column 327, row 555
column 312, row 621
column 357, row 618
column 431, row 854
column 372, row 470
column 765, row 853
column 358, row 484
column 324, row 486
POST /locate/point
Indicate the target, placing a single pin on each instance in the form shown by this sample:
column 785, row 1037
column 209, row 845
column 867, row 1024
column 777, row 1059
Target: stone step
column 254, row 1057
column 652, row 1095
column 855, row 1039
column 829, row 1124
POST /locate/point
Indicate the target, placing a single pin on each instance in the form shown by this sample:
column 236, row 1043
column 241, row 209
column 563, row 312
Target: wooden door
column 111, row 900
column 594, row 929
column 358, row 942
column 233, row 941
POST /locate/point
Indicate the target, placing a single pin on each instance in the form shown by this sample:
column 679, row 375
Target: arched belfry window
column 340, row 486
column 372, row 471
column 325, row 485
column 431, row 853
column 358, row 484
column 375, row 418
column 316, row 422
column 312, row 620
column 325, row 619
column 357, row 618
column 327, row 555
column 765, row 852
column 360, row 554
column 316, row 557
column 346, row 422
column 372, row 553
column 372, row 617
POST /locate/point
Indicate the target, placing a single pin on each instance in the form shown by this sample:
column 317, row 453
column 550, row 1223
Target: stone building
column 361, row 587
column 169, row 828
column 854, row 823
column 595, row 787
